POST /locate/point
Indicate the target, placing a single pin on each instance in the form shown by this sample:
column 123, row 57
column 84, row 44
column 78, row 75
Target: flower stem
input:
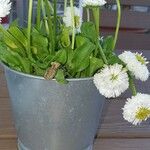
column 51, row 28
column 73, row 23
column 55, row 22
column 102, row 53
column 88, row 14
column 65, row 5
column 96, row 16
column 29, row 29
column 51, row 7
column 45, row 18
column 132, row 85
column 38, row 21
column 118, row 24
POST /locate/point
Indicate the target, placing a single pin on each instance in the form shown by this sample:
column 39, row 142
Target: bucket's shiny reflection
column 51, row 116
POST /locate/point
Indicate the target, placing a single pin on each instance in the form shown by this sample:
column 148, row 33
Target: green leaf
column 14, row 23
column 60, row 56
column 113, row 59
column 39, row 45
column 60, row 77
column 65, row 37
column 42, row 28
column 108, row 44
column 80, row 40
column 38, row 71
column 39, row 40
column 95, row 65
column 14, row 60
column 88, row 30
column 12, row 42
column 81, row 57
column 40, row 52
column 18, row 34
column 70, row 53
column 49, row 58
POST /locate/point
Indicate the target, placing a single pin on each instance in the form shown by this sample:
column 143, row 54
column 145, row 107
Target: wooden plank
column 122, row 144
column 8, row 133
column 5, row 111
column 2, row 80
column 100, row 144
column 130, row 41
column 132, row 2
column 3, row 92
column 133, row 41
column 8, row 144
column 130, row 19
column 114, row 126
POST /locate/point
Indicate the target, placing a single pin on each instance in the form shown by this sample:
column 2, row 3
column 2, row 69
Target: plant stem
column 102, row 53
column 45, row 18
column 65, row 5
column 51, row 7
column 73, row 23
column 29, row 29
column 88, row 14
column 118, row 24
column 132, row 85
column 96, row 15
column 50, row 25
column 55, row 22
column 38, row 21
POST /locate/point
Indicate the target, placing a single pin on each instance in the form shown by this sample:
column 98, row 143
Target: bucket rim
column 40, row 77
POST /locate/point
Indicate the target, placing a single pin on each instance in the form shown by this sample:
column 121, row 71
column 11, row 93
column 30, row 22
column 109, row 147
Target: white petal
column 133, row 105
column 67, row 19
column 93, row 3
column 5, row 6
column 140, row 71
column 108, row 87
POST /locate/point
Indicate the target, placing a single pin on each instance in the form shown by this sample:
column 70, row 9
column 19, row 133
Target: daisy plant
column 70, row 46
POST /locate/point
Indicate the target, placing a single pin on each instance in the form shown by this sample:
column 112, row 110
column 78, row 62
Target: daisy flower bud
column 5, row 6
column 112, row 81
column 67, row 19
column 136, row 63
column 94, row 3
column 137, row 109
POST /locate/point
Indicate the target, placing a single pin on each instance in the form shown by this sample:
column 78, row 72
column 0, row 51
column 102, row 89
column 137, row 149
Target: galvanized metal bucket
column 51, row 116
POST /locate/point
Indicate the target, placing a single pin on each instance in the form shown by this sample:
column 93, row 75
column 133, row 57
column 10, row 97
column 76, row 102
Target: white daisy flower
column 5, row 6
column 136, row 63
column 137, row 108
column 112, row 81
column 67, row 19
column 95, row 3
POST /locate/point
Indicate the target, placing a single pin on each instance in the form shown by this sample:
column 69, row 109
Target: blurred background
column 20, row 9
column 135, row 25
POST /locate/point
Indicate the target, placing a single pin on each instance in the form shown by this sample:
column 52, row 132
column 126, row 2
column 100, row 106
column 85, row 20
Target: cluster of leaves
column 82, row 61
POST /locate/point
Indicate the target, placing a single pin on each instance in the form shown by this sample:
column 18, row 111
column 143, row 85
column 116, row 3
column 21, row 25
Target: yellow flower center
column 143, row 113
column 114, row 77
column 77, row 21
column 141, row 59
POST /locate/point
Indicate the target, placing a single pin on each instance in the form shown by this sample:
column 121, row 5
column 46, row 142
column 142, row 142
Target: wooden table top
column 114, row 133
